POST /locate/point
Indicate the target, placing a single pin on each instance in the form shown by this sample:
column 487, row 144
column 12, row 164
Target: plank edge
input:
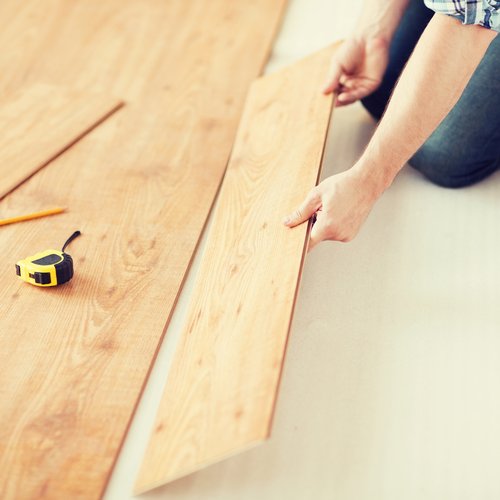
column 116, row 106
column 305, row 250
column 140, row 488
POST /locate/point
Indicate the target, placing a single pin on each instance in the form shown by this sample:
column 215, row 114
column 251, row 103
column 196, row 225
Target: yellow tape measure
column 47, row 268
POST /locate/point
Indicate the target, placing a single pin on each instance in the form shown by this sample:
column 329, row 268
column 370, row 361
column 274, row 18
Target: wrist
column 374, row 31
column 378, row 177
column 380, row 19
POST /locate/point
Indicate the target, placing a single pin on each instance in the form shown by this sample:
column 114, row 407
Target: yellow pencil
column 35, row 215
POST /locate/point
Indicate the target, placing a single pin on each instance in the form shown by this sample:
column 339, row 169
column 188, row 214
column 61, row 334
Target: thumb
column 309, row 206
column 332, row 82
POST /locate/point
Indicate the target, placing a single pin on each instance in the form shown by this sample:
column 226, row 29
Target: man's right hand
column 357, row 68
column 341, row 203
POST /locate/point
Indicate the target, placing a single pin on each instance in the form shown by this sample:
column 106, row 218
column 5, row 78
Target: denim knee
column 449, row 168
column 375, row 104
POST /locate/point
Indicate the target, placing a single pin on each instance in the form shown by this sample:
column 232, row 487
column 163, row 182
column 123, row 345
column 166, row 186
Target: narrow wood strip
column 222, row 387
column 39, row 123
column 74, row 359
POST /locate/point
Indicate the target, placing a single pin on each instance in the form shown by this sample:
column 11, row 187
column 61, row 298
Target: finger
column 354, row 91
column 349, row 97
column 305, row 210
column 363, row 83
column 346, row 82
column 333, row 78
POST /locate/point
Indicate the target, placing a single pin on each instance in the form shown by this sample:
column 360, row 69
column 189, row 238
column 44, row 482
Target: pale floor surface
column 391, row 383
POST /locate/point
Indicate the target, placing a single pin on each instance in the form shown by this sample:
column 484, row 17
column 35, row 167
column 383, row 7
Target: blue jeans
column 465, row 148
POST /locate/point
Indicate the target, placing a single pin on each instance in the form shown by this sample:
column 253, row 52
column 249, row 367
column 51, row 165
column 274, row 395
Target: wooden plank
column 221, row 391
column 133, row 48
column 39, row 123
column 75, row 358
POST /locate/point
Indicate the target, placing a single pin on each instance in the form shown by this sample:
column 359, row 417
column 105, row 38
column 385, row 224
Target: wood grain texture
column 133, row 48
column 140, row 186
column 40, row 122
column 221, row 391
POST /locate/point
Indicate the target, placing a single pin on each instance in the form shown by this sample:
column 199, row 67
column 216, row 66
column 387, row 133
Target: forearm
column 430, row 85
column 380, row 18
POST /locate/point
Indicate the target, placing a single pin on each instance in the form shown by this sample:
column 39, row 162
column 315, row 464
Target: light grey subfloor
column 391, row 382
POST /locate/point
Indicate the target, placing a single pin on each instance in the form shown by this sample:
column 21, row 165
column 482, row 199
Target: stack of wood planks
column 126, row 113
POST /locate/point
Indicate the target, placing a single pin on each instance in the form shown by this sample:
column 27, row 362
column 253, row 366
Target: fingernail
column 287, row 220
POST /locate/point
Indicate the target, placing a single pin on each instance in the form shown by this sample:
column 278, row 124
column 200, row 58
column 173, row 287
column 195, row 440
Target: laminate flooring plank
column 75, row 358
column 140, row 186
column 133, row 48
column 39, row 123
column 222, row 387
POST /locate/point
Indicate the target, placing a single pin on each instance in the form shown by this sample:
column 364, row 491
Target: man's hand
column 428, row 88
column 359, row 65
column 341, row 203
column 357, row 68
